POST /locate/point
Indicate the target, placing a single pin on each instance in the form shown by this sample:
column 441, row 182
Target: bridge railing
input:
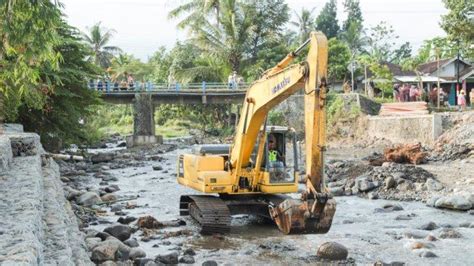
column 109, row 87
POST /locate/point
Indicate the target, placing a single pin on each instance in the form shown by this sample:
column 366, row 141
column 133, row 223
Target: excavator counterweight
column 256, row 173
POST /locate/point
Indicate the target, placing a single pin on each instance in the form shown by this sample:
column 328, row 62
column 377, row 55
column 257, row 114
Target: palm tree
column 305, row 23
column 196, row 11
column 97, row 39
column 230, row 39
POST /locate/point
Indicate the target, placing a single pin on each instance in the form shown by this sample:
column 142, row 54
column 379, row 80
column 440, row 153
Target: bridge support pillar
column 143, row 122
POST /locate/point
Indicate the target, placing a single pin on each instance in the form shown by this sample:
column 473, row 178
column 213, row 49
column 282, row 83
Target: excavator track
column 210, row 212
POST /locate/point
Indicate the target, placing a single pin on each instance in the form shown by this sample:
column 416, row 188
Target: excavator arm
column 314, row 212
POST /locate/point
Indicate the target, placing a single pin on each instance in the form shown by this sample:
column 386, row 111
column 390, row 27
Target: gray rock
column 186, row 259
column 429, row 226
column 427, row 254
column 389, row 207
column 406, row 186
column 120, row 231
column 108, row 263
column 157, row 167
column 112, row 188
column 110, row 249
column 466, row 225
column 432, row 201
column 189, row 251
column 144, row 262
column 136, row 253
column 102, row 157
column 455, row 202
column 170, row 258
column 332, row 251
column 116, row 207
column 390, row 182
column 433, row 185
column 88, row 199
column 415, row 234
column 209, row 263
column 372, row 195
column 449, row 233
column 336, row 191
column 126, row 220
column 131, row 242
column 92, row 242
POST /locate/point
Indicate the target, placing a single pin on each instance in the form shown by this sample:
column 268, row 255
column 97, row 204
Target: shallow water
column 369, row 238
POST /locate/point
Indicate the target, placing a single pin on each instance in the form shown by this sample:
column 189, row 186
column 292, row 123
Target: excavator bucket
column 294, row 216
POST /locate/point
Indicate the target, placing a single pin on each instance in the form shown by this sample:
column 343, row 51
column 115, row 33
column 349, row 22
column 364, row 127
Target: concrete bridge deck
column 187, row 96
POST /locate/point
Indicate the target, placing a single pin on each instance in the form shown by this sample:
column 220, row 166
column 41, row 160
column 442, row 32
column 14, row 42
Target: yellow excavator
column 252, row 175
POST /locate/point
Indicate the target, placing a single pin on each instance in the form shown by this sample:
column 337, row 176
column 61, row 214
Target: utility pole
column 439, row 86
column 457, row 76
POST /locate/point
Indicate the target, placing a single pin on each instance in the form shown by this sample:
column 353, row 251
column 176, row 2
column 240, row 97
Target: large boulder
column 455, row 202
column 110, row 249
column 332, row 251
column 102, row 157
column 88, row 199
column 120, row 231
column 170, row 258
column 432, row 185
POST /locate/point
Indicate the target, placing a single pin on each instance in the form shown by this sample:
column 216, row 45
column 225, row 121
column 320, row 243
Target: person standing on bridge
column 130, row 82
column 230, row 81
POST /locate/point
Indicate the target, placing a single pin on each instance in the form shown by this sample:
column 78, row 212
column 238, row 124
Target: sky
column 142, row 26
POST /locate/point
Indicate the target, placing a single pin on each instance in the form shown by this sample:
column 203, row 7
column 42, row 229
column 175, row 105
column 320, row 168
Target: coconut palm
column 98, row 38
column 305, row 23
column 230, row 39
column 195, row 11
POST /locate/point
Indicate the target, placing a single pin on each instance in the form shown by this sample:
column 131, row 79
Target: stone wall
column 38, row 226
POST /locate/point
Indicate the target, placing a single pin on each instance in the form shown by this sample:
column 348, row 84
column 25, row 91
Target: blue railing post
column 107, row 86
column 177, row 86
column 204, row 87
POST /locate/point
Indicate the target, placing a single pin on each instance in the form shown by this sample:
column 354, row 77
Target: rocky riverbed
column 128, row 200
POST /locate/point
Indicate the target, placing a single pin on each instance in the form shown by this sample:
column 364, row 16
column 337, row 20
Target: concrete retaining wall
column 420, row 128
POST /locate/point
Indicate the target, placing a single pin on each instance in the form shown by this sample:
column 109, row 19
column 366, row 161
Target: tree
column 339, row 58
column 270, row 19
column 28, row 35
column 98, row 38
column 327, row 20
column 68, row 101
column 230, row 40
column 354, row 15
column 381, row 41
column 305, row 23
column 124, row 64
column 459, row 25
column 195, row 12
column 438, row 46
column 401, row 54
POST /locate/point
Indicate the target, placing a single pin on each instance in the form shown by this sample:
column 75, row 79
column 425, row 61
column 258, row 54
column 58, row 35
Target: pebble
column 431, row 238
column 332, row 251
column 137, row 253
column 157, row 167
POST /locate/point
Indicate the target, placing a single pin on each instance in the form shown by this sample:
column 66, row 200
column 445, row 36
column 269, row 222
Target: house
column 449, row 74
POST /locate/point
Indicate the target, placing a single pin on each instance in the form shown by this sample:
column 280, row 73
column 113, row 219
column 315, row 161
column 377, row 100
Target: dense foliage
column 43, row 74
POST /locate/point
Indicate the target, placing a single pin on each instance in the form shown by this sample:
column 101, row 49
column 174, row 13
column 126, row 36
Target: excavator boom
column 313, row 213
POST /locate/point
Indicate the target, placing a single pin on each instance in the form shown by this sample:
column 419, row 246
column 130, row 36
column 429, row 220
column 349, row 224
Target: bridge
column 191, row 93
column 146, row 96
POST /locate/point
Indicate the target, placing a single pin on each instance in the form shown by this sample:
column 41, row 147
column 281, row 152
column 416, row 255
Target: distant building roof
column 395, row 69
column 431, row 67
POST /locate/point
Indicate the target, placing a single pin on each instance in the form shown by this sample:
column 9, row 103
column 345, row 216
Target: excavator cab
column 280, row 155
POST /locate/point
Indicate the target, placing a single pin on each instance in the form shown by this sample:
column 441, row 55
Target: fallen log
column 66, row 157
